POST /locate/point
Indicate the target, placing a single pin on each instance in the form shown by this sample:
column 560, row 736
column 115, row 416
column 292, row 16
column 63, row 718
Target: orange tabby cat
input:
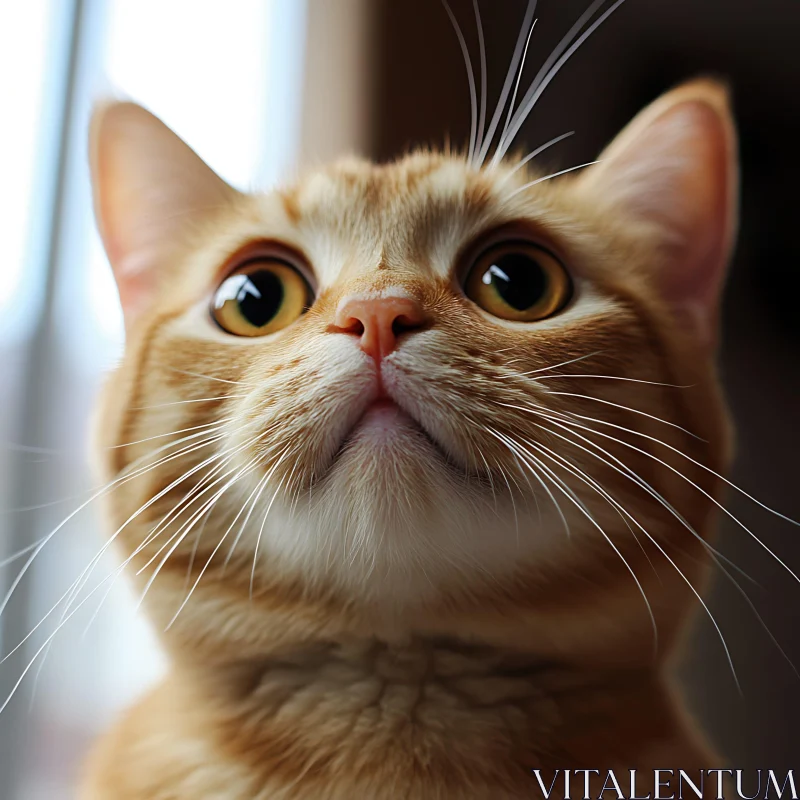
column 403, row 457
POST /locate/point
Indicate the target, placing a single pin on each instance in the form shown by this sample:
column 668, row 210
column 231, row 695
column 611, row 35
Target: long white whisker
column 124, row 478
column 613, row 378
column 257, row 497
column 186, row 529
column 484, row 98
column 69, row 595
column 216, row 425
column 208, row 562
column 557, row 51
column 207, row 377
column 540, row 84
column 50, row 638
column 195, row 548
column 198, row 491
column 628, row 408
column 532, row 155
column 187, row 402
column 589, row 481
column 694, row 461
column 261, row 533
column 627, row 472
column 562, row 363
column 509, row 443
column 689, row 481
column 470, row 77
column 516, row 85
column 76, row 586
column 570, row 466
column 572, row 497
column 11, row 559
column 528, row 185
column 512, row 69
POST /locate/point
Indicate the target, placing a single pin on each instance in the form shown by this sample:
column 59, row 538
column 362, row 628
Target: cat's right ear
column 150, row 191
column 673, row 169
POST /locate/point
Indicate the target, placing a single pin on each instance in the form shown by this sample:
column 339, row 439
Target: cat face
column 421, row 380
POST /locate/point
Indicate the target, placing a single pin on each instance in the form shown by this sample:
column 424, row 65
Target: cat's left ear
column 674, row 169
column 151, row 192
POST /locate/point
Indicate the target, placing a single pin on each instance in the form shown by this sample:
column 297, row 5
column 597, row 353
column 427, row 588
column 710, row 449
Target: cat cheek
column 698, row 321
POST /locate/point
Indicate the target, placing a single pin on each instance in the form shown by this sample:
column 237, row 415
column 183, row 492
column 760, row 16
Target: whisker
column 614, row 378
column 585, row 511
column 519, row 78
column 180, row 535
column 539, row 85
column 563, row 363
column 186, row 402
column 632, row 410
column 693, row 461
column 590, row 482
column 470, row 77
column 207, row 377
column 570, row 466
column 195, row 548
column 217, row 425
column 263, row 485
column 199, row 491
column 250, row 466
column 261, row 533
column 764, row 626
column 69, row 595
column 484, row 98
column 551, row 176
column 689, row 481
column 532, row 155
column 74, row 589
column 48, row 640
column 557, row 51
column 508, row 442
column 627, row 472
column 16, row 556
column 26, row 448
column 512, row 69
column 124, row 478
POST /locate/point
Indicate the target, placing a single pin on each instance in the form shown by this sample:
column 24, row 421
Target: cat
column 404, row 458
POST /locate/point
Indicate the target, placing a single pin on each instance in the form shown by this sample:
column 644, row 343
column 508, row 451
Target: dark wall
column 644, row 48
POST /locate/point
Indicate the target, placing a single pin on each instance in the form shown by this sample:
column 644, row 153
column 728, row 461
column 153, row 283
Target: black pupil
column 260, row 297
column 518, row 279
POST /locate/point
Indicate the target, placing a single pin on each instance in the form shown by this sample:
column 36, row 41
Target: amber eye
column 260, row 297
column 518, row 281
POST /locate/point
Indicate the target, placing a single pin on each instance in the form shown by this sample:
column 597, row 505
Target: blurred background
column 259, row 87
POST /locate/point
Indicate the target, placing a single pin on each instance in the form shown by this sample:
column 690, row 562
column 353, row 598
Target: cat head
column 428, row 392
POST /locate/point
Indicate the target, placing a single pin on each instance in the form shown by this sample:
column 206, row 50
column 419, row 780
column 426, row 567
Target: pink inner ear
column 150, row 191
column 701, row 218
column 673, row 168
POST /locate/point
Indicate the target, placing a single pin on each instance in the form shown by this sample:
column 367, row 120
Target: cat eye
column 261, row 297
column 518, row 281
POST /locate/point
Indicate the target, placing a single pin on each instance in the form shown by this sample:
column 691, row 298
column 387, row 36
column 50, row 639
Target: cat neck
column 443, row 719
column 438, row 704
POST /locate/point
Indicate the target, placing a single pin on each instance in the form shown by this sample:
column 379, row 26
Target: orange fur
column 420, row 625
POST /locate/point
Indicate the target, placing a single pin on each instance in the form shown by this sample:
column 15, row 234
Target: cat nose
column 378, row 321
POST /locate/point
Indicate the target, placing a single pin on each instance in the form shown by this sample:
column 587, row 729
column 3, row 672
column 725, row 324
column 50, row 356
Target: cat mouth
column 381, row 421
column 383, row 425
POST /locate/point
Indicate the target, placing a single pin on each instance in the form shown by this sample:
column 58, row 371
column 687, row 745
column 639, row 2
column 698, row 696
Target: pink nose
column 378, row 321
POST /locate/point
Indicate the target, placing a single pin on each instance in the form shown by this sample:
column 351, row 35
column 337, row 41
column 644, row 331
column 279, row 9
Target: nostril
column 355, row 326
column 404, row 323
